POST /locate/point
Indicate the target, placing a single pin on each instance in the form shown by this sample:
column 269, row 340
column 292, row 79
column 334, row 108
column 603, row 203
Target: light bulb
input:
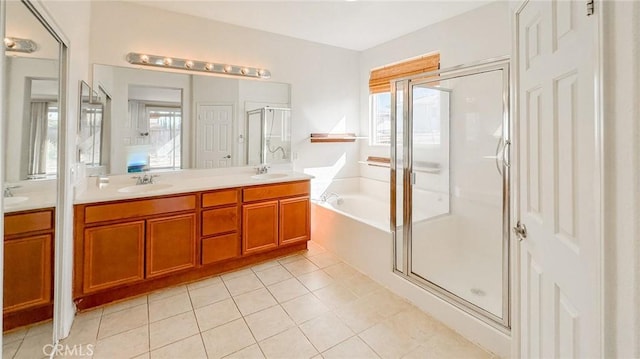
column 227, row 68
column 9, row 43
column 244, row 70
column 261, row 72
column 144, row 59
column 167, row 61
column 188, row 64
column 208, row 67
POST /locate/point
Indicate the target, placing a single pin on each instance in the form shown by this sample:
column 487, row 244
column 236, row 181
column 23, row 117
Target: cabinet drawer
column 220, row 220
column 28, row 222
column 260, row 193
column 220, row 198
column 138, row 208
column 215, row 249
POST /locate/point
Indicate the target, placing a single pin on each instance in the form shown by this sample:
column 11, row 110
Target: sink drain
column 479, row 292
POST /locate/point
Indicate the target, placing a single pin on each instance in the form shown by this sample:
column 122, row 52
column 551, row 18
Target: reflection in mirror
column 268, row 135
column 31, row 122
column 90, row 127
column 165, row 120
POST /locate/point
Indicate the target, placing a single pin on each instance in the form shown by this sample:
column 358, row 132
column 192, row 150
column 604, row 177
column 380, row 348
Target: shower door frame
column 406, row 84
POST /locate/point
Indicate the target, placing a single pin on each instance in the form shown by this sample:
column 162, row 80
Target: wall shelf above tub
column 334, row 137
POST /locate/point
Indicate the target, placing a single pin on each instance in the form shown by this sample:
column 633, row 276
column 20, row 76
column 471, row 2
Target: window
column 380, row 95
column 165, row 124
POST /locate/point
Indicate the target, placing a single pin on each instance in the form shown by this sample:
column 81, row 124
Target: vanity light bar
column 19, row 45
column 193, row 65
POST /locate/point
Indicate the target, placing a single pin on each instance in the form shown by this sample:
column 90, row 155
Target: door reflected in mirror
column 166, row 121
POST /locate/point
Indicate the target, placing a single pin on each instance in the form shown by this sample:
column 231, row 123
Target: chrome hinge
column 590, row 7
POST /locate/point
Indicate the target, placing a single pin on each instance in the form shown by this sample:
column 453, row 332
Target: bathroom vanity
column 135, row 241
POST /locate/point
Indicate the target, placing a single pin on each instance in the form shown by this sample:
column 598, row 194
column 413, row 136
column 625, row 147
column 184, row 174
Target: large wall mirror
column 156, row 120
column 33, row 122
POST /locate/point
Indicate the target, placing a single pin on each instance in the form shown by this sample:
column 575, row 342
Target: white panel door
column 559, row 181
column 214, row 147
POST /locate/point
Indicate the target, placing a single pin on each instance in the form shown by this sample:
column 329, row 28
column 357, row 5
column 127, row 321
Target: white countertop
column 33, row 194
column 182, row 181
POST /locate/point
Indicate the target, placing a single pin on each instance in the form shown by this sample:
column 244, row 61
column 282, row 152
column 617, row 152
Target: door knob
column 227, row 156
column 520, row 230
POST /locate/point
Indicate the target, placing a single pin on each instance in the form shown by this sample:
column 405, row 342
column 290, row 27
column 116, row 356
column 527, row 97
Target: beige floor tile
column 166, row 293
column 236, row 274
column 291, row 258
column 251, row 352
column 123, row 321
column 83, row 331
column 242, row 284
column 143, row 356
column 415, row 323
column 268, row 322
column 10, row 349
column 387, row 343
column 361, row 285
column 189, row 348
column 254, row 301
column 300, row 267
column 325, row 259
column 89, row 314
column 210, row 294
column 170, row 306
column 265, row 265
column 359, row 316
column 216, row 314
column 204, row 282
column 304, row 308
column 172, row 329
column 316, row 280
column 124, row 345
column 446, row 347
column 340, row 271
column 273, row 275
column 313, row 249
column 386, row 303
column 326, row 331
column 33, row 346
column 39, row 329
column 287, row 290
column 353, row 348
column 227, row 339
column 125, row 304
column 335, row 295
column 14, row 335
column 289, row 344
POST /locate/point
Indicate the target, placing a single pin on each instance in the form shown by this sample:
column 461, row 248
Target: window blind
column 380, row 77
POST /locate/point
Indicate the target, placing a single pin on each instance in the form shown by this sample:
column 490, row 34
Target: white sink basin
column 264, row 176
column 9, row 201
column 143, row 188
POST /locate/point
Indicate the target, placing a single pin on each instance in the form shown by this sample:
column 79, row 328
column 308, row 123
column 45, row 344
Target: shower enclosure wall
column 450, row 186
column 268, row 136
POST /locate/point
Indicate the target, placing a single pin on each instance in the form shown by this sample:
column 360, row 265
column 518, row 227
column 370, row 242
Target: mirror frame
column 63, row 203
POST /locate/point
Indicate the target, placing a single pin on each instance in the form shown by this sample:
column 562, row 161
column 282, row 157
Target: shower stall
column 268, row 136
column 450, row 186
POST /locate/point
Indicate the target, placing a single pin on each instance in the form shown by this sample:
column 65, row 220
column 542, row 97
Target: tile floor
column 308, row 305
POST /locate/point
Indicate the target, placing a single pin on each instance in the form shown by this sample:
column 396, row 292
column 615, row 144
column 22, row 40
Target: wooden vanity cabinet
column 220, row 226
column 28, row 267
column 275, row 215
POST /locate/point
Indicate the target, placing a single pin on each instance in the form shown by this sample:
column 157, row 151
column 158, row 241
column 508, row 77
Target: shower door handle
column 497, row 158
column 520, row 230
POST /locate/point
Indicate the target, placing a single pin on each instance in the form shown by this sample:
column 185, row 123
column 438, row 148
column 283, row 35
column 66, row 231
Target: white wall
column 622, row 178
column 324, row 80
column 476, row 35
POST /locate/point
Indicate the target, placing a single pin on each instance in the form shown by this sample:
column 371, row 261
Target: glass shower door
column 454, row 188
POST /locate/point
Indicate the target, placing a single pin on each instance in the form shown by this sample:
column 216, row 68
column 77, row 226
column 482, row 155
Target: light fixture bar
column 19, row 45
column 194, row 65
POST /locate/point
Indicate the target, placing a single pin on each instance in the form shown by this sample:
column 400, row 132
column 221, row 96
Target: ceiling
column 355, row 25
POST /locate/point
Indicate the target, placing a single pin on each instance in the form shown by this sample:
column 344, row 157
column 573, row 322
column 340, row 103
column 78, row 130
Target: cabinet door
column 259, row 227
column 294, row 220
column 27, row 272
column 219, row 248
column 113, row 255
column 171, row 244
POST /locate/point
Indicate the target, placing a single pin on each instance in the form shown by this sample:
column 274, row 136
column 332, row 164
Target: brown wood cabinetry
column 220, row 226
column 171, row 244
column 28, row 267
column 275, row 215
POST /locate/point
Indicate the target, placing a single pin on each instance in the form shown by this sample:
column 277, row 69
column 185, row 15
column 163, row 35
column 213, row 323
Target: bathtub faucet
column 327, row 196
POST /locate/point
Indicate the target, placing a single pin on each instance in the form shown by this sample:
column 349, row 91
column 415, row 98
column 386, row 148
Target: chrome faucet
column 7, row 191
column 328, row 195
column 144, row 179
column 262, row 169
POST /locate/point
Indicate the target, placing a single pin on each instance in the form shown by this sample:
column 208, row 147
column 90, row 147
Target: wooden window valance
column 380, row 77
